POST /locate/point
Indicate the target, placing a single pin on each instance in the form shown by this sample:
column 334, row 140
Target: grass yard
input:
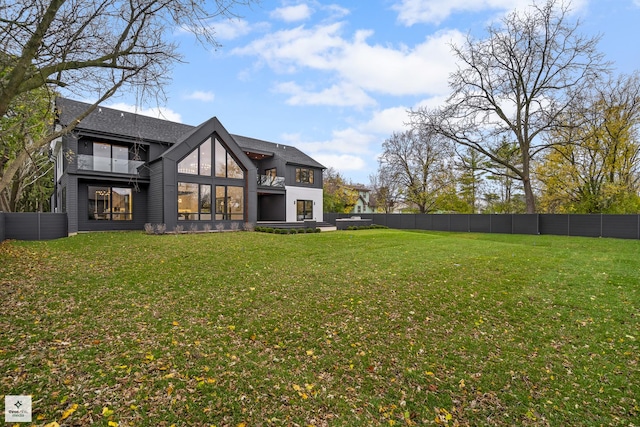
column 361, row 328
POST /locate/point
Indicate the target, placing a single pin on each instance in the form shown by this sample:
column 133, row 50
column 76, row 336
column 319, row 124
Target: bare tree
column 92, row 48
column 516, row 84
column 385, row 193
column 419, row 163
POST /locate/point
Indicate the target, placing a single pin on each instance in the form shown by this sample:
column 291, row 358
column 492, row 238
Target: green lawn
column 357, row 328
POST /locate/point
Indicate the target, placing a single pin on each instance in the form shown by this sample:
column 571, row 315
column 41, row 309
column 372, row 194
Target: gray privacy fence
column 596, row 225
column 32, row 225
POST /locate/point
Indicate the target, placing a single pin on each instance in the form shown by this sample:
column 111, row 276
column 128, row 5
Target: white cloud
column 296, row 13
column 387, row 121
column 201, row 96
column 156, row 112
column 231, row 29
column 422, row 69
column 343, row 95
column 412, row 12
column 341, row 162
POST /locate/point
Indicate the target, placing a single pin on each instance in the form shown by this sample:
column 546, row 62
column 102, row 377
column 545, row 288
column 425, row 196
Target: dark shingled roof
column 108, row 121
column 111, row 122
column 287, row 152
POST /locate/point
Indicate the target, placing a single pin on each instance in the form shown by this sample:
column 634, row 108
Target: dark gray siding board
column 290, row 177
column 139, row 209
column 272, row 207
column 155, row 197
column 621, row 226
column 72, row 202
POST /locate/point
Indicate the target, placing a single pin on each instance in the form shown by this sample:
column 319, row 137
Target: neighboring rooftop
column 112, row 122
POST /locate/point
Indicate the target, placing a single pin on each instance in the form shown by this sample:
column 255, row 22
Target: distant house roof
column 112, row 122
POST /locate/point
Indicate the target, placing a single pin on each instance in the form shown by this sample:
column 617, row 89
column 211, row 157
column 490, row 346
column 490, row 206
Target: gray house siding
column 272, row 208
column 155, row 197
column 139, row 209
column 290, row 176
column 70, row 182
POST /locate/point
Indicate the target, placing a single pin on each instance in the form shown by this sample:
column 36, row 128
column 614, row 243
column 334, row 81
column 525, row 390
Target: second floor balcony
column 271, row 181
column 107, row 164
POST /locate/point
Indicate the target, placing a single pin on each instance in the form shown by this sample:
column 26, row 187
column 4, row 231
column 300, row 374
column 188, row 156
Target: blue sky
column 335, row 78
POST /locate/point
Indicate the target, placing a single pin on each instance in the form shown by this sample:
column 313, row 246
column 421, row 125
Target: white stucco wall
column 301, row 193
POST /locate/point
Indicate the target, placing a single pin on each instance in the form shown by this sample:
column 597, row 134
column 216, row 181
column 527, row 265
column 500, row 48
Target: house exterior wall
column 139, row 208
column 303, row 193
column 155, row 196
column 154, row 185
column 272, row 207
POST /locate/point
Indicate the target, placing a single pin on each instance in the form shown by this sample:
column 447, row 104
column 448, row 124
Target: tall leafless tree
column 92, row 48
column 419, row 163
column 516, row 84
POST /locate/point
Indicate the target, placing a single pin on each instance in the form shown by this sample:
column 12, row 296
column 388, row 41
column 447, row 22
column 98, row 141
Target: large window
column 304, row 175
column 110, row 203
column 194, row 201
column 304, row 209
column 226, row 165
column 110, row 158
column 198, row 162
column 229, row 203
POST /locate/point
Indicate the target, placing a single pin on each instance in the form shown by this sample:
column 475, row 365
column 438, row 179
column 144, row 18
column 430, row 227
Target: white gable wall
column 301, row 193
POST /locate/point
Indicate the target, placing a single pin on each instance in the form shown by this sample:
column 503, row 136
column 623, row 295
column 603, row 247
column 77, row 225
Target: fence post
column 600, row 224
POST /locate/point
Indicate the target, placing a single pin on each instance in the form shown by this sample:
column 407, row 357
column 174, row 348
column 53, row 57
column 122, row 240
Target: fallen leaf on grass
column 66, row 414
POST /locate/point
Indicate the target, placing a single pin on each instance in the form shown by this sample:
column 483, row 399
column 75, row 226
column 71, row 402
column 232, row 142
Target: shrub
column 235, row 226
column 248, row 226
column 148, row 228
column 179, row 229
column 160, row 228
column 317, row 230
column 206, row 228
column 193, row 228
column 220, row 226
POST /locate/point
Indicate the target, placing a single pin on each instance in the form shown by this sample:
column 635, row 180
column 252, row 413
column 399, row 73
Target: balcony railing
column 107, row 164
column 270, row 181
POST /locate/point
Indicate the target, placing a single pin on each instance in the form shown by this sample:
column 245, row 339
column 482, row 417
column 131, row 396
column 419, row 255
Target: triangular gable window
column 226, row 165
column 198, row 162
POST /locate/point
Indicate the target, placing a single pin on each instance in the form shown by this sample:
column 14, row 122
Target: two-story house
column 118, row 171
